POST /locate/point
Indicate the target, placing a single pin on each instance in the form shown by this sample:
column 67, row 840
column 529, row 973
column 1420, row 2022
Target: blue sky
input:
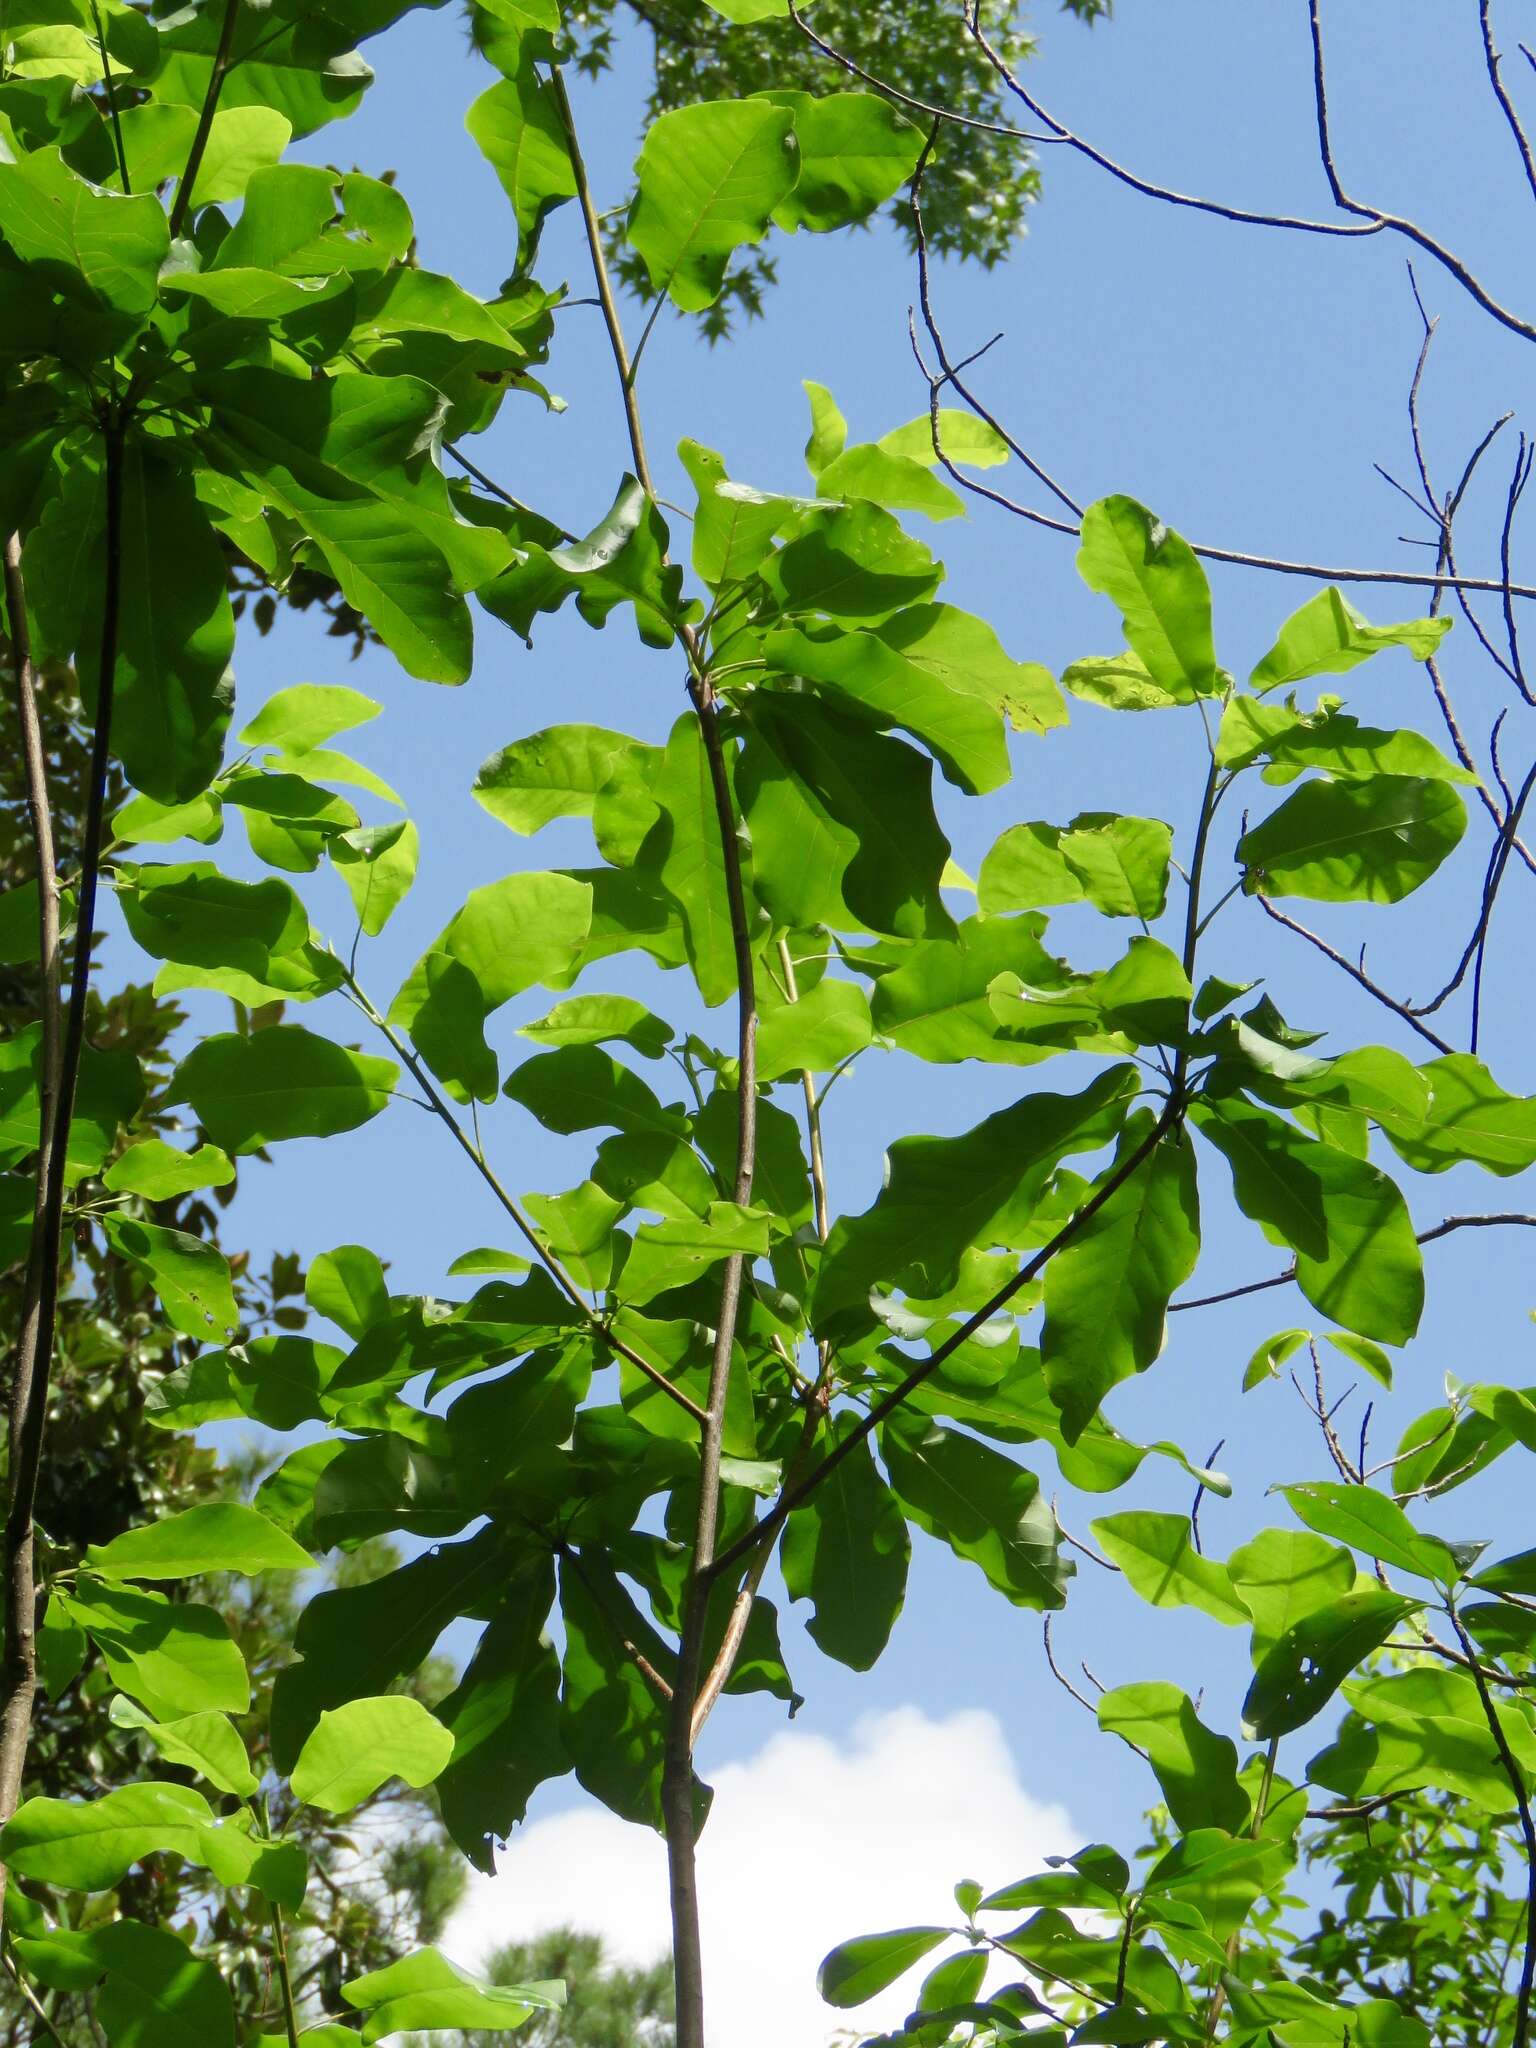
column 1242, row 383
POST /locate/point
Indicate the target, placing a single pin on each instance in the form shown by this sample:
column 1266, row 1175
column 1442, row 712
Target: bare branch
column 1357, row 974
column 1511, row 1218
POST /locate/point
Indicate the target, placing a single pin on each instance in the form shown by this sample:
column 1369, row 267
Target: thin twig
column 1194, row 1512
column 31, row 1998
column 1059, row 1675
column 490, row 484
column 109, row 87
column 812, row 1111
column 1395, row 221
column 513, row 1208
column 1511, row 1218
column 284, row 1979
column 1501, row 94
column 1356, row 974
column 1516, row 1778
column 906, row 99
column 1149, row 190
column 210, row 106
column 611, row 320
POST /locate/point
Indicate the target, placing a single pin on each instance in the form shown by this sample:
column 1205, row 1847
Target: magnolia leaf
column 710, row 176
column 221, row 1536
column 360, row 1746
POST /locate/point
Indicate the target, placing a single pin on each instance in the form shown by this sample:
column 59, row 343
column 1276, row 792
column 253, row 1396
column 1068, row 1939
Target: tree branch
column 609, row 304
column 514, row 1209
column 210, row 106
column 60, row 1068
column 767, row 1525
column 1510, row 1218
column 1516, row 1778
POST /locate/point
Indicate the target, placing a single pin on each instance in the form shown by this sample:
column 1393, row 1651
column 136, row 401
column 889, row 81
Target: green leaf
column 250, row 939
column 602, row 1020
column 176, row 635
column 734, row 525
column 277, row 1381
column 856, row 1970
column 160, row 1173
column 1160, row 1561
column 963, row 437
column 355, row 1641
column 1283, row 1575
column 1370, row 1521
column 1196, row 1769
column 1327, row 636
column 335, row 455
column 504, row 1717
column 519, row 129
column 895, row 481
column 205, row 1743
column 943, row 1195
column 94, row 246
column 348, row 1286
column 175, row 1657
column 684, row 851
column 426, row 1991
column 157, row 1994
column 88, row 1845
column 829, row 430
column 222, row 1536
column 1218, row 1876
column 190, row 1276
column 1308, row 1663
column 855, row 564
column 985, row 1507
column 938, row 1002
column 937, row 673
column 1155, row 580
column 360, row 1746
column 1119, row 682
column 552, row 774
column 378, row 865
column 111, row 1089
column 281, row 1083
column 1371, row 841
column 306, row 715
column 670, row 1254
column 842, row 823
column 827, row 1024
column 846, row 1551
column 580, row 1088
column 502, row 1427
column 1121, row 863
column 1107, row 1291
column 1427, row 1728
column 1326, row 739
column 1434, row 1116
column 710, row 176
column 856, row 151
column 1356, row 1255
column 1025, row 869
column 623, row 560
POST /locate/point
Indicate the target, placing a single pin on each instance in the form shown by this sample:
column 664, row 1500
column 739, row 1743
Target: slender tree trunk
column 63, row 1039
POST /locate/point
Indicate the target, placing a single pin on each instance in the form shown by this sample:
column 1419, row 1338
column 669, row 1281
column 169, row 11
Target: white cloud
column 810, row 1841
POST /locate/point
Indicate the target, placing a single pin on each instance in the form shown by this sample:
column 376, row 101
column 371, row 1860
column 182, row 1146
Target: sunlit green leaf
column 710, row 177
